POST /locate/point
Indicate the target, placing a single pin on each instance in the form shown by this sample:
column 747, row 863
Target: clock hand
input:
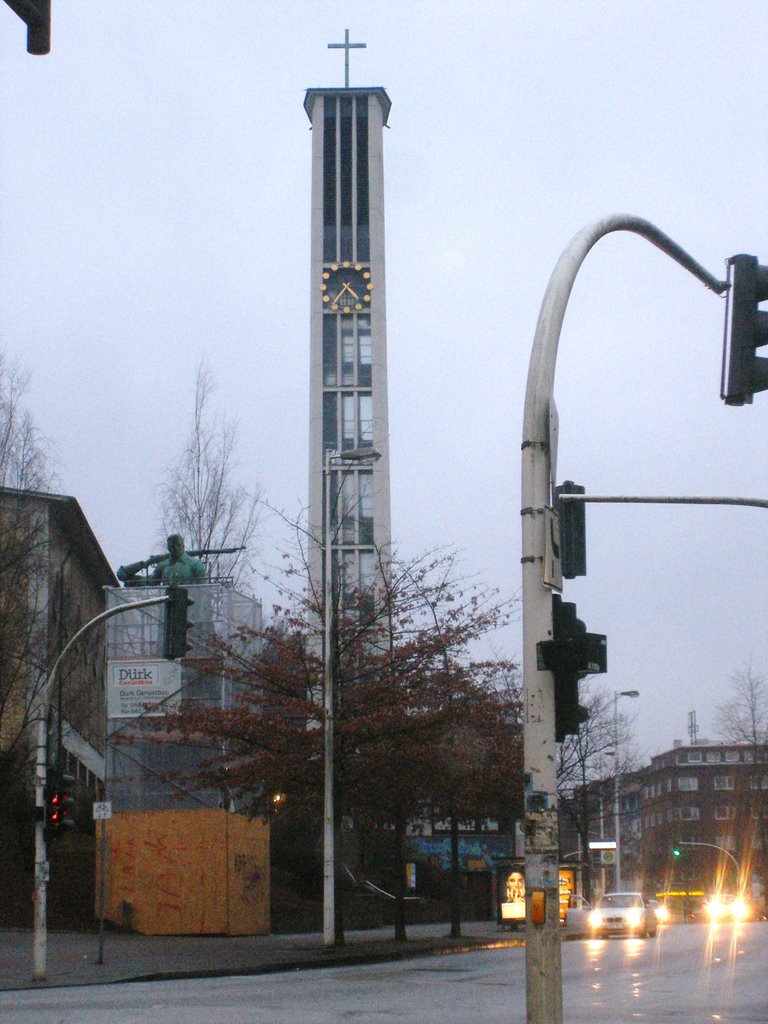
column 346, row 288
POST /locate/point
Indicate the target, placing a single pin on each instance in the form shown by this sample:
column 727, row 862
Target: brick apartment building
column 712, row 795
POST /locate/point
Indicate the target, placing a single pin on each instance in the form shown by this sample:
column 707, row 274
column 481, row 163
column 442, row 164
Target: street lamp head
column 359, row 455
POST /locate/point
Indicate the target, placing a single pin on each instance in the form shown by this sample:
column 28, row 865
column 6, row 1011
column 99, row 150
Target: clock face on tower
column 346, row 287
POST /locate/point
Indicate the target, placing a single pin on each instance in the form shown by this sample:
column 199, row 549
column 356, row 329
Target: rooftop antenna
column 693, row 729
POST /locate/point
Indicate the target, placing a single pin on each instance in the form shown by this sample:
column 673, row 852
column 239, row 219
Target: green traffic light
column 676, row 851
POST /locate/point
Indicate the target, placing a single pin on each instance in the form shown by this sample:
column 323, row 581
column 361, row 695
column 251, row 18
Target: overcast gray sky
column 154, row 196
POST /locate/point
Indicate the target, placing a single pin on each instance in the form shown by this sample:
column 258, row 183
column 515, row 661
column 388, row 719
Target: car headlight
column 662, row 914
column 740, row 910
column 595, row 919
column 715, row 910
column 635, row 917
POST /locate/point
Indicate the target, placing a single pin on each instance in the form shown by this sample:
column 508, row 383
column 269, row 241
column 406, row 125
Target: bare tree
column 25, row 465
column 587, row 769
column 202, row 499
column 25, row 461
column 744, row 717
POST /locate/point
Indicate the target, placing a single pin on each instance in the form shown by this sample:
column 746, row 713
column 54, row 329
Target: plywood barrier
column 195, row 872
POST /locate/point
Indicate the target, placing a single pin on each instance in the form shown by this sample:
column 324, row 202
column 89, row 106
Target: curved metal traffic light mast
column 543, row 969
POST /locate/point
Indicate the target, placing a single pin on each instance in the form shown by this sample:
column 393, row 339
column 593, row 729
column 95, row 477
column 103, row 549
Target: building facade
column 52, row 579
column 348, row 337
column 710, row 801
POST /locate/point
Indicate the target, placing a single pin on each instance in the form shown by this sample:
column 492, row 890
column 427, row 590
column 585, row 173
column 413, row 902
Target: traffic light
column 176, row 623
column 676, row 851
column 573, row 531
column 746, row 330
column 59, row 803
column 571, row 654
column 37, row 16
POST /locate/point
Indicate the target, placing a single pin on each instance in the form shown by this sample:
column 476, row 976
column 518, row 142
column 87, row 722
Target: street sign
column 607, row 856
column 102, row 810
column 552, row 570
column 603, row 844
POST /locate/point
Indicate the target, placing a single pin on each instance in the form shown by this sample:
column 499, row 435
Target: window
column 749, row 756
column 346, row 566
column 723, row 782
column 363, row 231
column 694, row 757
column 687, row 783
column 365, row 427
column 330, row 357
column 329, row 180
column 758, row 782
column 726, row 842
column 367, row 568
column 731, row 755
column 347, row 500
column 345, row 162
column 347, row 351
column 365, row 490
column 330, row 426
column 690, row 813
column 348, row 422
column 364, row 375
column 714, row 757
column 723, row 812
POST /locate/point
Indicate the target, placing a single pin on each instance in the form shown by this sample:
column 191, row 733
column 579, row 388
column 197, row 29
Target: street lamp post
column 616, row 782
column 40, row 920
column 542, row 941
column 353, row 455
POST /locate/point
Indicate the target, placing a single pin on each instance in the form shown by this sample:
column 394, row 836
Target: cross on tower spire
column 346, row 46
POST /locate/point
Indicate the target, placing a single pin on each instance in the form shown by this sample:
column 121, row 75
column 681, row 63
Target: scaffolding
column 146, row 766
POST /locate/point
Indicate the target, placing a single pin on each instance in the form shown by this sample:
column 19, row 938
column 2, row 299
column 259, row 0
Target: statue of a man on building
column 177, row 567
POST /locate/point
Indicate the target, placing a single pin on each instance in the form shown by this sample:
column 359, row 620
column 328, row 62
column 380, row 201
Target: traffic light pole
column 40, row 936
column 542, row 950
column 722, row 849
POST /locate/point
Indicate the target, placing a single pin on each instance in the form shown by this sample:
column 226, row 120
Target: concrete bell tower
column 348, row 334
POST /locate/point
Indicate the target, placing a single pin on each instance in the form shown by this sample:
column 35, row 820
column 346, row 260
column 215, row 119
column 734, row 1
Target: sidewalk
column 72, row 956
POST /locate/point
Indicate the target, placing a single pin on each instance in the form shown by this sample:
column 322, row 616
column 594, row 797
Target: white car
column 622, row 913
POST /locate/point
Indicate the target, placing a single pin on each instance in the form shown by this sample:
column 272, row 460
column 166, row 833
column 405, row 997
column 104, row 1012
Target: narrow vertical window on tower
column 348, row 439
column 330, row 424
column 330, row 353
column 363, row 224
column 365, row 507
column 347, row 502
column 345, row 176
column 364, row 376
column 365, row 423
column 329, row 180
column 347, row 351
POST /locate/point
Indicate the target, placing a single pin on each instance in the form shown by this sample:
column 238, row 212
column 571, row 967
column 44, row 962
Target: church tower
column 349, row 423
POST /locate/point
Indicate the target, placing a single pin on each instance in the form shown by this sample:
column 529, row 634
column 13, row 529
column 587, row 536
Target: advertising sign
column 141, row 688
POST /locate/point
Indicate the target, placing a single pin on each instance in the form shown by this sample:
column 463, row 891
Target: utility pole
column 542, row 951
